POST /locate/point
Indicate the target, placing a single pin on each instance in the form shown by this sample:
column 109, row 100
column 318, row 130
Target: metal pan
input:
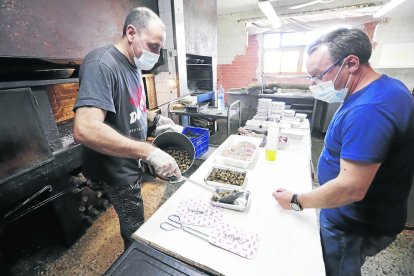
column 170, row 138
column 176, row 139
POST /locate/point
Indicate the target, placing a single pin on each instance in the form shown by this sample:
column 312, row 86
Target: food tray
column 226, row 184
column 231, row 141
column 239, row 205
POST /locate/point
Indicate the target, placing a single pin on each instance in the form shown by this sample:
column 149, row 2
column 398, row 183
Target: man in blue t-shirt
column 366, row 166
column 111, row 119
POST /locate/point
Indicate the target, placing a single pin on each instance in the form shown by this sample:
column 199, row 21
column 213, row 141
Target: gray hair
column 343, row 42
column 141, row 18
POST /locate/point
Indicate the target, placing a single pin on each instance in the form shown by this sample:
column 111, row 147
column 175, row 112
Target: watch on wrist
column 294, row 204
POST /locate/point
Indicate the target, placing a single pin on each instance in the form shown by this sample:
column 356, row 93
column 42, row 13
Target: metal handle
column 229, row 115
column 174, row 180
column 175, row 223
column 196, row 233
column 21, row 205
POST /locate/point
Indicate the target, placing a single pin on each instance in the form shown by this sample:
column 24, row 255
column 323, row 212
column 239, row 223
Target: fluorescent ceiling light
column 387, row 7
column 270, row 13
column 310, row 3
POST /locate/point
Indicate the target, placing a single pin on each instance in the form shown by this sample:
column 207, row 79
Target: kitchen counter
column 289, row 241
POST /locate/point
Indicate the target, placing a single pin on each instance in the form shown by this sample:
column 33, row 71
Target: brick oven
column 38, row 156
column 42, row 46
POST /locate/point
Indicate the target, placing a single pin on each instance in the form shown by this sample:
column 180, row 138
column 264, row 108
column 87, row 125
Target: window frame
column 301, row 59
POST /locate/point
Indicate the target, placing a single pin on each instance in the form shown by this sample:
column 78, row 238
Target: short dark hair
column 343, row 42
column 141, row 18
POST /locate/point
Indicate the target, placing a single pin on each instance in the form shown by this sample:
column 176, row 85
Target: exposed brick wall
column 242, row 71
column 62, row 97
column 369, row 29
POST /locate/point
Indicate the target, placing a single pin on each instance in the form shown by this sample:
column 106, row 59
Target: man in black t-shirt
column 111, row 118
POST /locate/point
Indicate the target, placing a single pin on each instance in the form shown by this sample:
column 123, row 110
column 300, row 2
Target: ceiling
column 313, row 17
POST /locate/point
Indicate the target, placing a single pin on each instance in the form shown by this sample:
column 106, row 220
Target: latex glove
column 164, row 128
column 165, row 121
column 164, row 165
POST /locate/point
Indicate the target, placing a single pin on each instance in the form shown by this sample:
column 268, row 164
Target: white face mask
column 325, row 91
column 147, row 59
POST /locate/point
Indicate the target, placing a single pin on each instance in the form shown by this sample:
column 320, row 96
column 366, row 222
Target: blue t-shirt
column 373, row 125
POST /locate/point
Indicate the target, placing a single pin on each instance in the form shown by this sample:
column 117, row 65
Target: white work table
column 289, row 240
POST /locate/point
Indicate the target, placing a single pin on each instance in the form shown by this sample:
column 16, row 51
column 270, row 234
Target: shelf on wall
column 201, row 64
column 201, row 79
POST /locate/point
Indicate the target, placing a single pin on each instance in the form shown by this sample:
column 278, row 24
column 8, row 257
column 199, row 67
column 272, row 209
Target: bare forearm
column 330, row 195
column 349, row 186
column 104, row 139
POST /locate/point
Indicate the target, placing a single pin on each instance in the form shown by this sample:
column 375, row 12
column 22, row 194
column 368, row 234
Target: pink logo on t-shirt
column 138, row 100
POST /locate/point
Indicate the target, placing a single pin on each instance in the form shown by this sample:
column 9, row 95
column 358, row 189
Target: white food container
column 253, row 123
column 289, row 113
column 284, row 124
column 281, row 104
column 228, row 185
column 231, row 141
column 240, row 204
column 260, row 118
column 294, row 133
column 295, row 124
column 291, row 119
column 283, row 142
column 301, row 116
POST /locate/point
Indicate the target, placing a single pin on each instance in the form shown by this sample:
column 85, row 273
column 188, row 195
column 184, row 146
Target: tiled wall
column 165, row 92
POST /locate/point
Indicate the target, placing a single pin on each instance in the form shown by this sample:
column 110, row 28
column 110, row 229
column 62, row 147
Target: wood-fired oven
column 37, row 152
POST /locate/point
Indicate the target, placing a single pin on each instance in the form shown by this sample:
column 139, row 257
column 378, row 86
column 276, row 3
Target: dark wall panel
column 64, row 28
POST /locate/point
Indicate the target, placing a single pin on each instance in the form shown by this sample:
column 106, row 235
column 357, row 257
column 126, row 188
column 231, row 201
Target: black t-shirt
column 110, row 82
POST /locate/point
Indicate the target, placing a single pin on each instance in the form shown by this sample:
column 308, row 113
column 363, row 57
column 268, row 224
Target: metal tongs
column 226, row 199
column 230, row 199
column 175, row 180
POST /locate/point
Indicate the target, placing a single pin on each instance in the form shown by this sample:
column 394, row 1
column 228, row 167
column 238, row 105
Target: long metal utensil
column 230, row 198
column 175, row 180
column 226, row 199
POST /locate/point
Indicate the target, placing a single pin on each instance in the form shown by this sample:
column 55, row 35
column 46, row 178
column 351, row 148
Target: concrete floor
column 101, row 245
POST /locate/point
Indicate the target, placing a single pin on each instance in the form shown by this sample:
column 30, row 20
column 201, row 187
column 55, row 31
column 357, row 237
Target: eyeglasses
column 320, row 76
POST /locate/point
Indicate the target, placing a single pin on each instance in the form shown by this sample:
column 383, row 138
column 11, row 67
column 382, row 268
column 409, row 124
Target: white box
column 233, row 140
column 283, row 142
column 293, row 133
column 301, row 116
